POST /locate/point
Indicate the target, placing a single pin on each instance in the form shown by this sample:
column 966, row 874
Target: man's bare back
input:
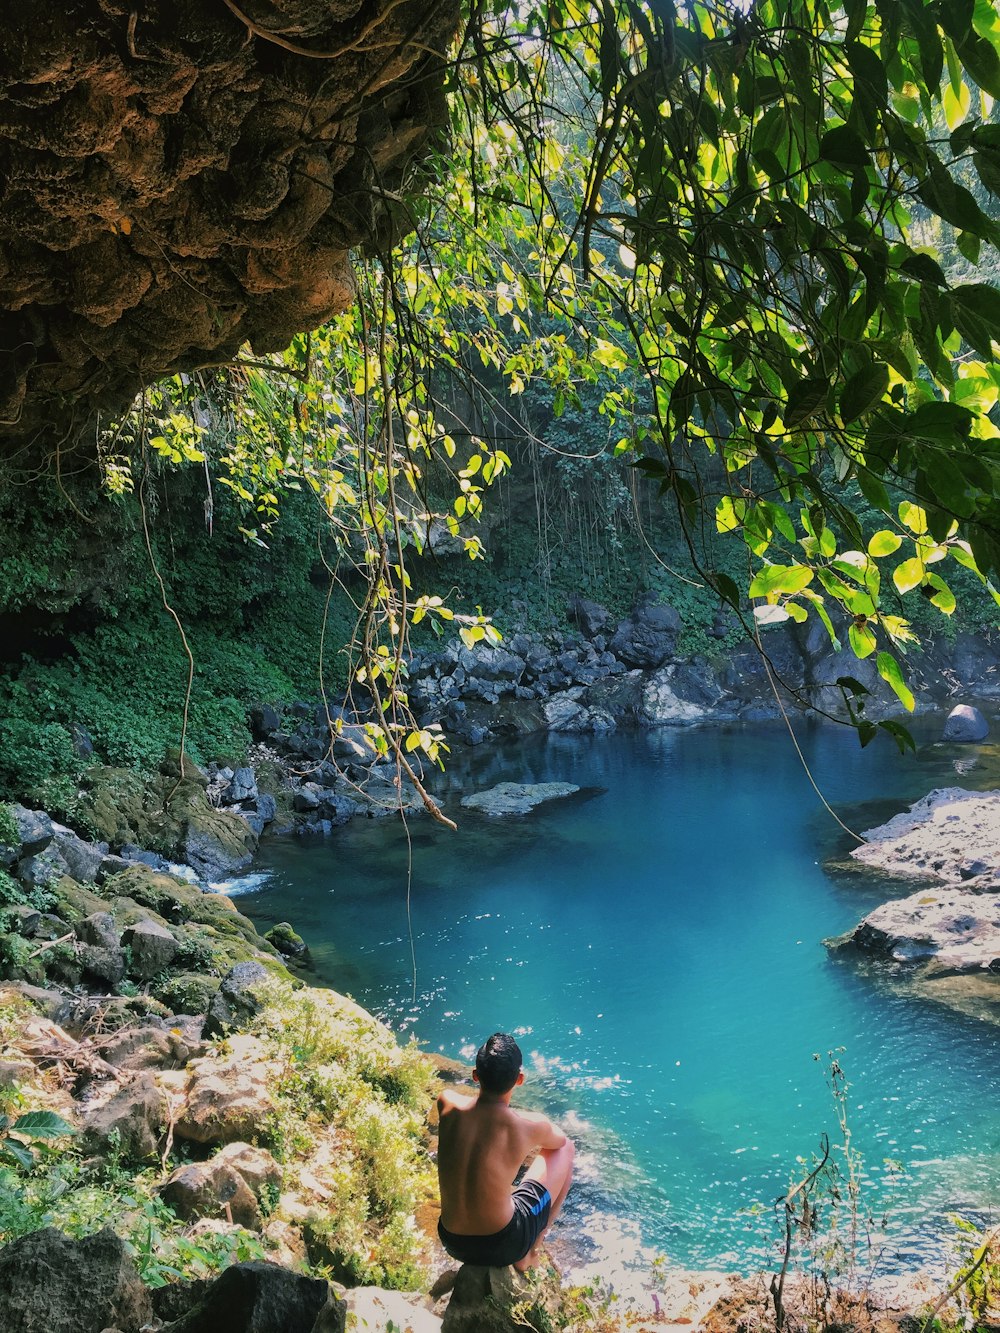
column 482, row 1145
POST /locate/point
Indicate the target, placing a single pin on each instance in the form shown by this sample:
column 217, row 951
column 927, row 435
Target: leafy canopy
column 758, row 239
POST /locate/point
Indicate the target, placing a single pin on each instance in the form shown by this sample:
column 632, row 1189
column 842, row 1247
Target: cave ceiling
column 181, row 177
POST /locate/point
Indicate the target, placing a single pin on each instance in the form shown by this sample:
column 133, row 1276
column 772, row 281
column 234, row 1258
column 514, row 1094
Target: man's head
column 498, row 1063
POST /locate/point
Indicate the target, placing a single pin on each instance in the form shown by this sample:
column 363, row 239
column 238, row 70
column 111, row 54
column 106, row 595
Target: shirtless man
column 482, row 1145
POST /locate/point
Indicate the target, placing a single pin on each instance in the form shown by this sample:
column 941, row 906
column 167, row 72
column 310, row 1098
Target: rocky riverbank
column 942, row 941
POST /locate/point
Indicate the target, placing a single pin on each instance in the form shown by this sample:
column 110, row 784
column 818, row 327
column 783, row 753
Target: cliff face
column 182, row 176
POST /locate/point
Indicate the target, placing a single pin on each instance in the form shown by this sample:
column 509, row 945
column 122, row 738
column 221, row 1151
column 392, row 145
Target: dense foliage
column 704, row 293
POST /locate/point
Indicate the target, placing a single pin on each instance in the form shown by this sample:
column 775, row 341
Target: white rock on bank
column 950, row 836
column 956, row 930
column 378, row 1311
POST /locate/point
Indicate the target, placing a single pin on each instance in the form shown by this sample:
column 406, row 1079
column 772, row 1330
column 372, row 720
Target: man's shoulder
column 451, row 1099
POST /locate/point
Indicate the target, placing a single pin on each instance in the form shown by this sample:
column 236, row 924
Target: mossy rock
column 171, row 898
column 187, row 992
column 287, row 941
column 73, row 902
column 121, row 806
column 127, row 912
column 16, row 962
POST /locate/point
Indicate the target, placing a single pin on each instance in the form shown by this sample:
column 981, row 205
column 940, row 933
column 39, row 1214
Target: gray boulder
column 98, row 929
column 236, row 1000
column 152, row 948
column 258, row 1298
column 494, row 664
column 591, row 617
column 52, row 1284
column 483, row 1300
column 36, row 871
column 648, row 638
column 83, row 860
column 965, row 724
column 217, row 843
column 134, row 1118
column 35, row 828
column 210, row 1189
column 243, row 787
column 957, row 930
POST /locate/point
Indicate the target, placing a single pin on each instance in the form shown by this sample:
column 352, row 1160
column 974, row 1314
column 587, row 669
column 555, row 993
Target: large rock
column 483, row 1301
column 210, row 1189
column 216, row 843
column 151, row 947
column 227, row 1100
column 134, row 1119
column 52, row 1284
column 258, row 1298
column 591, row 617
column 950, row 836
column 237, row 999
column 35, row 829
column 84, row 861
column 965, row 724
column 648, row 638
column 663, row 705
column 494, row 664
column 956, row 930
column 517, row 798
column 151, row 1046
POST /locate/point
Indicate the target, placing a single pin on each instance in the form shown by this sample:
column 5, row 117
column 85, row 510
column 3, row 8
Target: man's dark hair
column 498, row 1063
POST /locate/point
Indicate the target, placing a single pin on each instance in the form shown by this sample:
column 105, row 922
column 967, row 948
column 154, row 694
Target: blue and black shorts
column 532, row 1202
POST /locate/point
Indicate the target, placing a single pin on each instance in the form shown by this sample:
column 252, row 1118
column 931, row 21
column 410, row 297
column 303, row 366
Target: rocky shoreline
column 942, row 941
column 261, row 1128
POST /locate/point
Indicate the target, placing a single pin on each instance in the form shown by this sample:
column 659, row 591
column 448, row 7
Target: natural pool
column 656, row 945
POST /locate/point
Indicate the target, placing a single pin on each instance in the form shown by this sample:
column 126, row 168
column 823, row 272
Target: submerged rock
column 517, row 798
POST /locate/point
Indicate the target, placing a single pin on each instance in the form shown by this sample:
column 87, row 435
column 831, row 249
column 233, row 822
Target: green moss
column 187, row 992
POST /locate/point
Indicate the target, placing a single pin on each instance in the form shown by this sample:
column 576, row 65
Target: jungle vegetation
column 728, row 267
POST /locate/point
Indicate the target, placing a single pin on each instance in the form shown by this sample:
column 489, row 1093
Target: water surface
column 655, row 943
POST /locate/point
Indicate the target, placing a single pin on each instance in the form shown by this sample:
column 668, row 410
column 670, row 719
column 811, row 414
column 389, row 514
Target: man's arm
column 545, row 1134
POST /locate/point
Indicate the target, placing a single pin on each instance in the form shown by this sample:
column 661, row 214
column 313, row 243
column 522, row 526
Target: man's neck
column 495, row 1098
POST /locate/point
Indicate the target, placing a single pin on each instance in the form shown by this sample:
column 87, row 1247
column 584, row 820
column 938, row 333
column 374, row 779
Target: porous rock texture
column 181, row 177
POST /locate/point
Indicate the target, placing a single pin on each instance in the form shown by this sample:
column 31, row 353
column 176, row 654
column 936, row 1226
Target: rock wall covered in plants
column 179, row 178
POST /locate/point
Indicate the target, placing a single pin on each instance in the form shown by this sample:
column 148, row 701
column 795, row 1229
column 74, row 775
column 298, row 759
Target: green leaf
column 844, row 148
column 884, row 543
column 862, row 640
column 908, row 575
column 981, row 62
column 42, row 1125
column 780, row 579
column 12, row 1151
column 852, row 685
column 804, row 400
column 900, row 735
column 924, row 269
column 942, row 597
column 862, row 391
column 888, row 669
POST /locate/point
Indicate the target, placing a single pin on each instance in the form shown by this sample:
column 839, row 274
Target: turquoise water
column 655, row 943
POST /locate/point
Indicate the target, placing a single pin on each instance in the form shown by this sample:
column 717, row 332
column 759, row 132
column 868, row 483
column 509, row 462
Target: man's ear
column 475, row 1076
column 520, row 1079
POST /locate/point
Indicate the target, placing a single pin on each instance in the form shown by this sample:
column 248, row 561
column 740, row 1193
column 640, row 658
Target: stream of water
column 656, row 945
